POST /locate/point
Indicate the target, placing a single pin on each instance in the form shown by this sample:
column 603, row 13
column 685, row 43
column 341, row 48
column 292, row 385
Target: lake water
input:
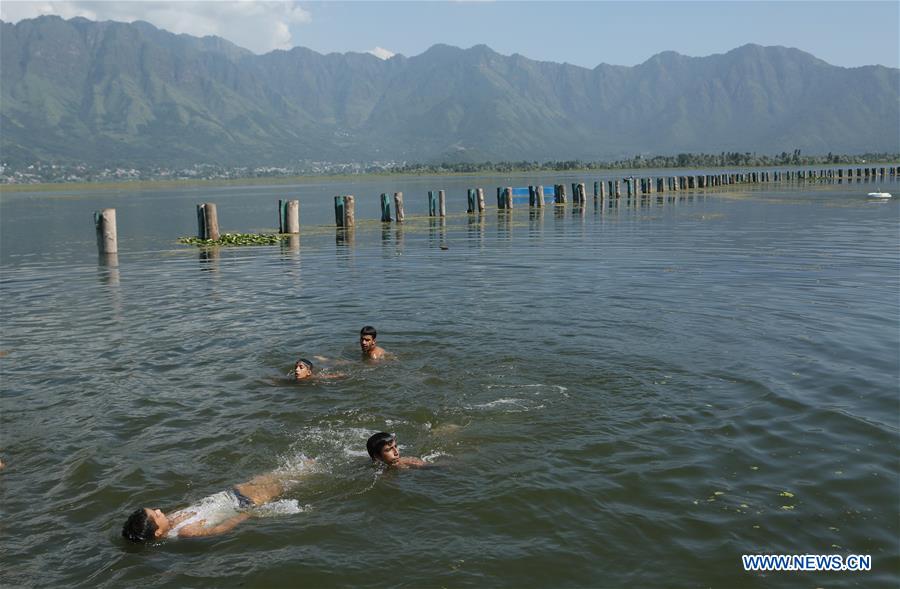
column 621, row 396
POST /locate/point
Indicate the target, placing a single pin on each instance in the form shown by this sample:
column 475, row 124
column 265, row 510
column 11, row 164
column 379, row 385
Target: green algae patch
column 236, row 239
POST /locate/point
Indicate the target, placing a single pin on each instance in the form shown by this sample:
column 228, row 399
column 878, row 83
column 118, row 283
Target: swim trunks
column 244, row 502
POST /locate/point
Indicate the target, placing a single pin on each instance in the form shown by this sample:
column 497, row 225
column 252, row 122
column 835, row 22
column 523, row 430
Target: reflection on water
column 708, row 375
column 344, row 237
column 108, row 266
column 209, row 258
column 291, row 245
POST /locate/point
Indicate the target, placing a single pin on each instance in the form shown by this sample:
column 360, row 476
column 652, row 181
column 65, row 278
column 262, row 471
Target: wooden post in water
column 107, row 238
column 339, row 211
column 442, row 203
column 349, row 211
column 470, row 200
column 344, row 211
column 432, row 204
column 582, row 193
column 499, row 197
column 398, row 207
column 618, row 190
column 539, row 196
column 508, row 197
column 531, row 196
column 291, row 223
column 561, row 196
column 207, row 221
column 480, row 194
column 385, row 208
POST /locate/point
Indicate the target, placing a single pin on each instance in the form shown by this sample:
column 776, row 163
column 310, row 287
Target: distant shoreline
column 289, row 180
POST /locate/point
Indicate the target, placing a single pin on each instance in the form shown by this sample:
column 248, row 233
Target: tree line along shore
column 215, row 175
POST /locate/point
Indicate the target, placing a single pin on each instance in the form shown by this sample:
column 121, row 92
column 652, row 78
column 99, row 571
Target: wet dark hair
column 139, row 527
column 368, row 330
column 305, row 361
column 376, row 442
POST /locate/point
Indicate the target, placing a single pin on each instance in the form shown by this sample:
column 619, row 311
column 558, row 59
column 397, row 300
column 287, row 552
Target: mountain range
column 130, row 93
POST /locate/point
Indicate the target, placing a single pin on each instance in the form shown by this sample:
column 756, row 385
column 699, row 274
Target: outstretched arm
column 197, row 530
column 412, row 462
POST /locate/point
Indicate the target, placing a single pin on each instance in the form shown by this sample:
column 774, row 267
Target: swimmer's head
column 383, row 446
column 145, row 525
column 367, row 336
column 303, row 368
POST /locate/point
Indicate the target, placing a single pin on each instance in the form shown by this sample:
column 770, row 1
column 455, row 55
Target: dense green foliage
column 131, row 95
column 682, row 160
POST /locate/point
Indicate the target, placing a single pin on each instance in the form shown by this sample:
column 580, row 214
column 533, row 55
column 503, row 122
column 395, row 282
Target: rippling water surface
column 632, row 395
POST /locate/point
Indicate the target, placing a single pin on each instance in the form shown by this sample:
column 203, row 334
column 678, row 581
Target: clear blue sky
column 619, row 33
column 583, row 33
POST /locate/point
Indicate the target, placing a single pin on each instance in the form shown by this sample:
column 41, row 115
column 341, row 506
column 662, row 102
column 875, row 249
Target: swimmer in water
column 304, row 370
column 213, row 515
column 382, row 447
column 368, row 345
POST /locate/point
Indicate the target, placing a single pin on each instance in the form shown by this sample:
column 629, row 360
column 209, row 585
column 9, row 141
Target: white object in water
column 880, row 194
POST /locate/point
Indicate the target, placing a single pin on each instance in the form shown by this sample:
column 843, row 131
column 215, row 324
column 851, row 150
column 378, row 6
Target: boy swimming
column 382, row 447
column 304, row 369
column 368, row 344
column 212, row 515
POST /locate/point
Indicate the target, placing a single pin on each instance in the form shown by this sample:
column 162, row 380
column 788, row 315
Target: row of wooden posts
column 345, row 214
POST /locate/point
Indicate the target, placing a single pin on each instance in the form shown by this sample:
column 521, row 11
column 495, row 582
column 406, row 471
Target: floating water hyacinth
column 237, row 239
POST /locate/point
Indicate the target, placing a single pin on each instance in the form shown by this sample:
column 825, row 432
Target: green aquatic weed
column 236, row 239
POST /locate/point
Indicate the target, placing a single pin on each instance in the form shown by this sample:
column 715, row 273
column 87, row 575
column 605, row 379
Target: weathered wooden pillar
column 480, row 195
column 539, row 196
column 207, row 221
column 339, row 211
column 107, row 237
column 531, row 196
column 344, row 211
column 385, row 208
column 618, row 189
column 349, row 210
column 508, row 197
column 470, row 201
column 561, row 196
column 432, row 204
column 602, row 193
column 291, row 220
column 442, row 203
column 398, row 207
column 500, row 202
